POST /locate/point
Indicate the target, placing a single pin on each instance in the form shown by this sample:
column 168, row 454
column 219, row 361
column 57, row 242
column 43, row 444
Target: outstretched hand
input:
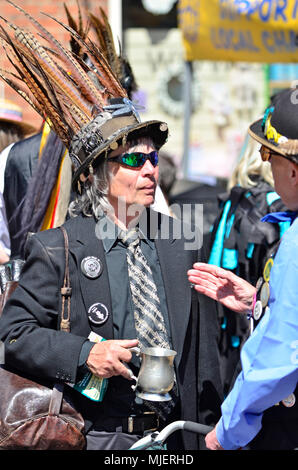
column 224, row 286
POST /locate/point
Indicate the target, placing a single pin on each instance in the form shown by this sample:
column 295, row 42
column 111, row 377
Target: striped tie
column 149, row 321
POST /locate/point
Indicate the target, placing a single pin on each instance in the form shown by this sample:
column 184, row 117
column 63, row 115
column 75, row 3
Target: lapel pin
column 265, row 294
column 98, row 314
column 289, row 401
column 91, row 267
column 257, row 310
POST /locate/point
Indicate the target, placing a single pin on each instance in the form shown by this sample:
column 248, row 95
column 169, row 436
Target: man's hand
column 212, row 442
column 4, row 258
column 105, row 358
column 224, row 286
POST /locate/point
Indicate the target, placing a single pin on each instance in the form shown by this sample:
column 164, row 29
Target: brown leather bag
column 33, row 416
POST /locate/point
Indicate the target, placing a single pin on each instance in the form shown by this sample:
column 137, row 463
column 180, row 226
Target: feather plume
column 79, row 28
column 120, row 66
column 86, row 85
column 41, row 100
column 104, row 73
column 48, row 67
column 54, row 80
column 106, row 42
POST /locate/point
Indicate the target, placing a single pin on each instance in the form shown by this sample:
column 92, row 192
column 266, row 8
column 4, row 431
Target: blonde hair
column 250, row 163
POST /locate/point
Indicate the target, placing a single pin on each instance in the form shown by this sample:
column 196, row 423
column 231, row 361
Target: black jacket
column 30, row 317
column 20, row 165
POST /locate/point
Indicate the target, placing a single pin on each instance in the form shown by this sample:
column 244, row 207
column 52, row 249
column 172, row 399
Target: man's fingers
column 207, row 291
column 126, row 343
column 212, row 269
column 125, row 371
column 206, row 279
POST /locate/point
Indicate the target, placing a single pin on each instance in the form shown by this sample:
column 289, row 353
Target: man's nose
column 148, row 168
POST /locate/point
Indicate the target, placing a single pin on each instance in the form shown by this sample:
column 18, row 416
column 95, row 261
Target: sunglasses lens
column 154, row 158
column 265, row 154
column 137, row 159
column 134, row 160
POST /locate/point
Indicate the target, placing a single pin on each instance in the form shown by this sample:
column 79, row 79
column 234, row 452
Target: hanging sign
column 239, row 30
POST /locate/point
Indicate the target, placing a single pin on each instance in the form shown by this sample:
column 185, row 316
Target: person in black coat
column 127, row 267
column 28, row 326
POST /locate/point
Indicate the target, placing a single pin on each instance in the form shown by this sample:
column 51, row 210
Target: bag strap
column 66, row 289
column 58, row 388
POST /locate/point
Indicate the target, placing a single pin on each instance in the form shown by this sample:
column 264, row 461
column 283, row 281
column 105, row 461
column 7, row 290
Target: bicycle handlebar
column 160, row 437
column 196, row 427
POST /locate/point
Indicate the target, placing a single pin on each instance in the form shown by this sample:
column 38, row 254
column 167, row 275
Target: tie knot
column 130, row 236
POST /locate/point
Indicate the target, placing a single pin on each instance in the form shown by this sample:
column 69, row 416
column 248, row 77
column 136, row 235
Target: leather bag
column 32, row 415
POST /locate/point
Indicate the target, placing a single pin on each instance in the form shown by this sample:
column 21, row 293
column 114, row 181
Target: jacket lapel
column 175, row 262
column 84, row 243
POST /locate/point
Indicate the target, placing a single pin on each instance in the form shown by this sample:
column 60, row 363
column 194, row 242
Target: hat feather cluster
column 65, row 90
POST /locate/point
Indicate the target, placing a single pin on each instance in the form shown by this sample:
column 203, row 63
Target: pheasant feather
column 64, row 89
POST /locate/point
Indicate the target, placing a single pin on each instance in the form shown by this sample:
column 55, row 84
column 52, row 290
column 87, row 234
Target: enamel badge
column 98, row 314
column 257, row 310
column 91, row 267
column 267, row 269
column 289, row 401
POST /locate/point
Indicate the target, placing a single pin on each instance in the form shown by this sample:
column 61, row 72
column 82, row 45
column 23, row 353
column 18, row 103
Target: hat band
column 271, row 133
column 100, row 135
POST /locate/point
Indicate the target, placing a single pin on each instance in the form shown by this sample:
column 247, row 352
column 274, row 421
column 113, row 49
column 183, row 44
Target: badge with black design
column 257, row 312
column 259, row 283
column 289, row 401
column 91, row 267
column 98, row 314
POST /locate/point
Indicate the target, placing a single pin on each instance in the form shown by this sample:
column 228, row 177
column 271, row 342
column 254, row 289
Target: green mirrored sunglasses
column 136, row 159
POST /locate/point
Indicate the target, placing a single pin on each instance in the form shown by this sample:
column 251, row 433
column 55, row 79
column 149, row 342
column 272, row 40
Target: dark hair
column 9, row 134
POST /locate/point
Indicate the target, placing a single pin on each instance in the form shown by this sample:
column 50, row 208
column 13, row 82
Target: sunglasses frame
column 266, row 153
column 148, row 156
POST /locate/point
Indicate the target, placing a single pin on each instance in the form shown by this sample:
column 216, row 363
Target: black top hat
column 278, row 129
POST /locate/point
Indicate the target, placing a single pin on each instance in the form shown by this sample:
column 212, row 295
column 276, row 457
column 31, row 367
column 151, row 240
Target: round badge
column 91, row 267
column 259, row 283
column 98, row 314
column 289, row 401
column 257, row 310
column 264, row 294
column 267, row 269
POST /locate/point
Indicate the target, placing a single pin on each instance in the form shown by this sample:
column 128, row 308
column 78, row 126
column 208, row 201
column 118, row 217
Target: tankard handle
column 135, row 350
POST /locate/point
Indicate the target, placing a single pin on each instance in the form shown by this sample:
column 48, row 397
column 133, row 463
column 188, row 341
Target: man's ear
column 294, row 173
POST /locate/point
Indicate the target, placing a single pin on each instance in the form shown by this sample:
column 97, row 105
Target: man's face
column 283, row 171
column 134, row 185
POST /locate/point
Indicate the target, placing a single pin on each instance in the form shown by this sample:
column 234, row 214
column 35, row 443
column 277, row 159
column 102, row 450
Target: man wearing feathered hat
column 262, row 408
column 127, row 266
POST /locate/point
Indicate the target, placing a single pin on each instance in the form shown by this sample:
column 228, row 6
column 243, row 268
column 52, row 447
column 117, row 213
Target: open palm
column 219, row 284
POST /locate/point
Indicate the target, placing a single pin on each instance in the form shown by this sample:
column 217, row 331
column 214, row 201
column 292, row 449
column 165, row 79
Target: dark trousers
column 102, row 440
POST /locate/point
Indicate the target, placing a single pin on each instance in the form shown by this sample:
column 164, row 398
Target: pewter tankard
column 156, row 375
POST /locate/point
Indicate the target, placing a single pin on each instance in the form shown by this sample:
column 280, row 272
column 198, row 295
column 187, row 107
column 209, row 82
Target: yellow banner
column 240, row 30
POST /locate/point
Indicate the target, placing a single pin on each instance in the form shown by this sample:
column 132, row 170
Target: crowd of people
column 139, row 277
